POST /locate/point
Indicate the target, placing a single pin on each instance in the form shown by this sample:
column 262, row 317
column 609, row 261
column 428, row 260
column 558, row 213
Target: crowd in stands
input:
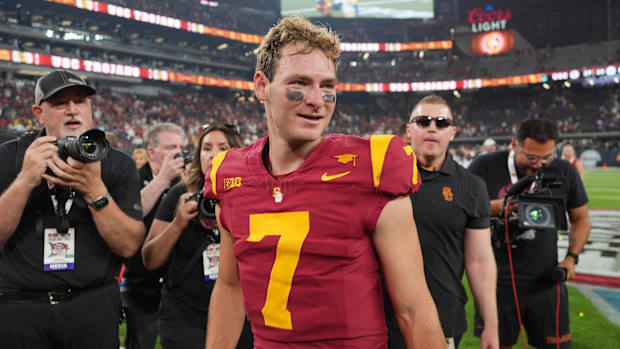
column 148, row 46
column 108, row 39
column 487, row 112
column 225, row 15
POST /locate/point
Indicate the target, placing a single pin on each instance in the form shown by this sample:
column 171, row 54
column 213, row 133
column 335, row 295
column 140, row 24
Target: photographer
column 65, row 226
column 535, row 256
column 140, row 287
column 178, row 238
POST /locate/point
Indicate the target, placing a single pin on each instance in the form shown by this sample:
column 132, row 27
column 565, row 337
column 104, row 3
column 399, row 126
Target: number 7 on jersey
column 293, row 228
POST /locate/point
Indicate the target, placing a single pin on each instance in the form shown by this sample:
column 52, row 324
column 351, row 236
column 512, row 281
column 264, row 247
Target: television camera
column 538, row 210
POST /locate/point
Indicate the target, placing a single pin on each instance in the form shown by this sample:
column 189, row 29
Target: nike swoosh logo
column 326, row 178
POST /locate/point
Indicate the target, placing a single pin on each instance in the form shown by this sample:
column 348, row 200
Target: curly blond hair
column 296, row 29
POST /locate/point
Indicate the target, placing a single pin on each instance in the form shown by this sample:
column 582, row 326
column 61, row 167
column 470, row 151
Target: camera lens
column 89, row 146
column 539, row 215
column 536, row 214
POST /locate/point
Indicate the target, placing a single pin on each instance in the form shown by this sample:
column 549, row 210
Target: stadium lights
column 456, row 94
column 617, row 80
column 365, row 56
column 31, row 72
column 567, row 84
column 353, row 63
column 393, row 62
column 546, row 86
column 591, row 82
column 222, row 46
column 421, row 55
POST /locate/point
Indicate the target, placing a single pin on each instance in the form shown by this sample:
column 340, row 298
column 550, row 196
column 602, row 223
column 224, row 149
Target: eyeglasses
column 440, row 121
column 534, row 158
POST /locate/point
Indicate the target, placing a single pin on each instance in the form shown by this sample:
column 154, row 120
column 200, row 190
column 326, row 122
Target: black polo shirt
column 189, row 296
column 534, row 260
column 449, row 200
column 136, row 278
column 21, row 258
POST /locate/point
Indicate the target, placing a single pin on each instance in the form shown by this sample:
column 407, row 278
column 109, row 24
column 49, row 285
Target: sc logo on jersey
column 232, row 182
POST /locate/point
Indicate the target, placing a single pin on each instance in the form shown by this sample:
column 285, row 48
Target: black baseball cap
column 55, row 81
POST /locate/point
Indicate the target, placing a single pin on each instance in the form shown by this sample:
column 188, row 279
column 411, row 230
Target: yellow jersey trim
column 378, row 148
column 215, row 165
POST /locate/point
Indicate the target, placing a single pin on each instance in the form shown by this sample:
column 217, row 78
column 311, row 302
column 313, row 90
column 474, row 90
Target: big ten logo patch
column 447, row 193
column 232, row 182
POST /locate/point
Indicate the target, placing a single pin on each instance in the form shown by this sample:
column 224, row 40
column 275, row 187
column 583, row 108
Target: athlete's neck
column 285, row 157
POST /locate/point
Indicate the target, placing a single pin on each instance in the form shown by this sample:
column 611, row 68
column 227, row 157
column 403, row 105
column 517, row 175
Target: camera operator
column 534, row 258
column 140, row 287
column 178, row 238
column 65, row 227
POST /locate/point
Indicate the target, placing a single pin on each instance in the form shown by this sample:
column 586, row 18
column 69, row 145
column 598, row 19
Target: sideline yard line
column 605, row 308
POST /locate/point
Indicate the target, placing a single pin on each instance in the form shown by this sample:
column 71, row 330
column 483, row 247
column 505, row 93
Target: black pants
column 89, row 320
column 395, row 337
column 141, row 322
column 176, row 332
column 538, row 312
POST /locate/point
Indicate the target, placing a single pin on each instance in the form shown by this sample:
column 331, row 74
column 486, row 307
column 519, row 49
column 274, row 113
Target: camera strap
column 62, row 203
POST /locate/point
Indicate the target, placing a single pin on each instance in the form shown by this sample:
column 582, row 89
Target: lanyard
column 511, row 167
column 68, row 202
column 512, row 170
column 61, row 208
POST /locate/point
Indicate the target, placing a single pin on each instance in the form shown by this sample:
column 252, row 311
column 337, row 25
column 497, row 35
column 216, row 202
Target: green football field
column 589, row 328
column 365, row 8
column 603, row 188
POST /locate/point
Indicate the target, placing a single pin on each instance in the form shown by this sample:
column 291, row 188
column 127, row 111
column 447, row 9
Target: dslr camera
column 90, row 146
column 186, row 154
column 206, row 209
column 538, row 211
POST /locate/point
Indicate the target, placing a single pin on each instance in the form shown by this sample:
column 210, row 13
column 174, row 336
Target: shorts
column 539, row 315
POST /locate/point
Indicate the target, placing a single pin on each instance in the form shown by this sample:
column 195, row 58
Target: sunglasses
column 440, row 121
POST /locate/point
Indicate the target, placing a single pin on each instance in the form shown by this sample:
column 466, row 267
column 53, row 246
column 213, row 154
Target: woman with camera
column 188, row 243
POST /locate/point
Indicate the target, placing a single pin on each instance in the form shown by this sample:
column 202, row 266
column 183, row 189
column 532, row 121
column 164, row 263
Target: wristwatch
column 100, row 202
column 574, row 255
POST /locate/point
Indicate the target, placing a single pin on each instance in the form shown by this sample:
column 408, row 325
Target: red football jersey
column 308, row 269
